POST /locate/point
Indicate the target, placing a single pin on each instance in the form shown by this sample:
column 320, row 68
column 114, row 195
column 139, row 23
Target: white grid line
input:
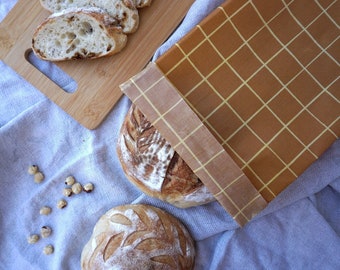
column 284, row 85
column 141, row 93
column 292, row 162
column 205, row 79
column 287, row 166
column 326, row 13
column 266, row 145
column 249, row 203
column 230, row 184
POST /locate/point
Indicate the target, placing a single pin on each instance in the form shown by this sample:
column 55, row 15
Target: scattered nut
column 88, row 187
column 76, row 188
column 45, row 210
column 67, row 192
column 61, row 204
column 33, row 238
column 70, row 180
column 33, row 169
column 49, row 249
column 38, row 177
column 45, row 231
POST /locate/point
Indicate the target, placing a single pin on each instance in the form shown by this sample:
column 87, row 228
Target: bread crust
column 54, row 43
column 142, row 3
column 138, row 237
column 124, row 11
column 151, row 164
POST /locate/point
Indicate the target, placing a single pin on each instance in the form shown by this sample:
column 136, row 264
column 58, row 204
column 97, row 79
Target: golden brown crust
column 142, row 3
column 138, row 237
column 150, row 163
column 124, row 11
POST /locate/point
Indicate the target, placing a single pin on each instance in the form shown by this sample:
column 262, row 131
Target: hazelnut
column 33, row 238
column 77, row 188
column 88, row 187
column 45, row 210
column 38, row 177
column 49, row 249
column 70, row 180
column 61, row 204
column 67, row 192
column 45, row 231
column 33, row 169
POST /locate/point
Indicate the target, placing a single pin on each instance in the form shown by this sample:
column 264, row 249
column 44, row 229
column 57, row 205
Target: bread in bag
column 77, row 34
column 133, row 237
column 151, row 164
column 124, row 11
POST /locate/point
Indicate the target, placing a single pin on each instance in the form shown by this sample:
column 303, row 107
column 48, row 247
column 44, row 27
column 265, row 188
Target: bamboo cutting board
column 97, row 80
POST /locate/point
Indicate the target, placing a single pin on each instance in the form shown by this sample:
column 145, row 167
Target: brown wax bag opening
column 180, row 126
column 258, row 81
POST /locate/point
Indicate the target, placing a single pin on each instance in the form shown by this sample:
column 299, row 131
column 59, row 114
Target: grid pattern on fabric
column 194, row 143
column 263, row 78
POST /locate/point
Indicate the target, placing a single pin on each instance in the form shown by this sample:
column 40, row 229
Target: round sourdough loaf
column 131, row 237
column 154, row 167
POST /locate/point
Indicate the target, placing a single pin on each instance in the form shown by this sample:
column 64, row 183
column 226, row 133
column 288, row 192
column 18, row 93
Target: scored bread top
column 78, row 33
column 124, row 11
column 138, row 237
column 150, row 163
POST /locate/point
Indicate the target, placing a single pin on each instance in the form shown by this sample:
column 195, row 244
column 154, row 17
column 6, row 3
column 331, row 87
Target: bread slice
column 124, row 11
column 77, row 34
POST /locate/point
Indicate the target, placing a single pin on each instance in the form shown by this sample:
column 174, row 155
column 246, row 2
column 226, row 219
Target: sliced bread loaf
column 77, row 34
column 124, row 11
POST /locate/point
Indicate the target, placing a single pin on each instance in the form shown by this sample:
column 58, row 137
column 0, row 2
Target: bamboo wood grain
column 98, row 80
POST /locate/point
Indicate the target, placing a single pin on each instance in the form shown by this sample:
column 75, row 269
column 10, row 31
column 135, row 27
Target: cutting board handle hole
column 52, row 71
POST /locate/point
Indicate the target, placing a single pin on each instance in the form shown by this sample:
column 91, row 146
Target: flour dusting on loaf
column 150, row 163
column 138, row 237
column 146, row 150
column 76, row 34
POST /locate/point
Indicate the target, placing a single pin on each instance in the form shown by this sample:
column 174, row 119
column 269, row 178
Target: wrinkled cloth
column 298, row 230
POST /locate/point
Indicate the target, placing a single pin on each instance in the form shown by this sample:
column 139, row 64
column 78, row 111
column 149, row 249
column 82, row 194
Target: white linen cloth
column 298, row 230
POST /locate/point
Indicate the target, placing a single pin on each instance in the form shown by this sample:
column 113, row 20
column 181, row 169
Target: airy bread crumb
column 76, row 34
